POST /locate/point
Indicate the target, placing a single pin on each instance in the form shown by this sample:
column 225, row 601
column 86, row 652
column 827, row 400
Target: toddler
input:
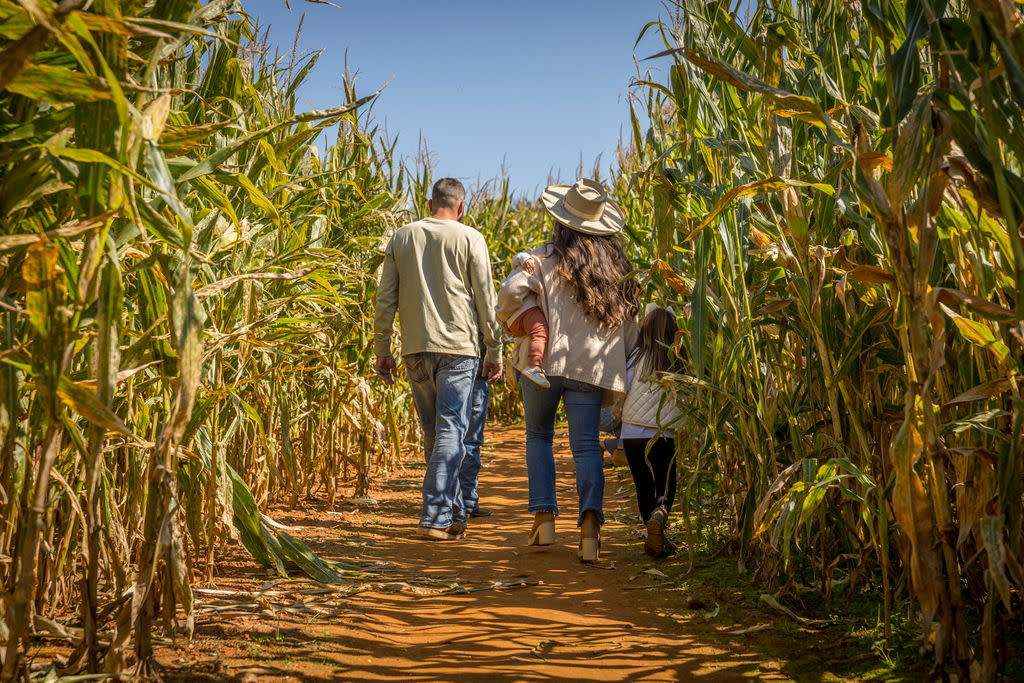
column 529, row 321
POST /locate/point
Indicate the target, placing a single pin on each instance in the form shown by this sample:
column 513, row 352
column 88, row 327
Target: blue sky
column 534, row 84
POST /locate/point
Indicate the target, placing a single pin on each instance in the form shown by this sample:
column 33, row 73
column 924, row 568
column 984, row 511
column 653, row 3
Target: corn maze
column 833, row 190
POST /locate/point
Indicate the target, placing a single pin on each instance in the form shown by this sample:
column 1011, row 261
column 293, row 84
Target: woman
column 582, row 284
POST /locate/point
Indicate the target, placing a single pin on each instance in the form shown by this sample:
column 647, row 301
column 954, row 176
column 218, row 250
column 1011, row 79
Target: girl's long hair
column 655, row 344
column 598, row 270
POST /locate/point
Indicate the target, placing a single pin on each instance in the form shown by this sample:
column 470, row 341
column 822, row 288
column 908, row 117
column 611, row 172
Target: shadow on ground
column 562, row 620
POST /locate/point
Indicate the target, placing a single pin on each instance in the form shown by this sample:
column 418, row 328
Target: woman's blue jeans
column 442, row 391
column 583, row 412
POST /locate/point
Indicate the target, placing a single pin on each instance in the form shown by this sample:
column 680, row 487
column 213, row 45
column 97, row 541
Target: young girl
column 649, row 418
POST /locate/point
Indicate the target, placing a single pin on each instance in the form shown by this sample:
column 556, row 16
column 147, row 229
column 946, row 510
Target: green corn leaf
column 219, row 157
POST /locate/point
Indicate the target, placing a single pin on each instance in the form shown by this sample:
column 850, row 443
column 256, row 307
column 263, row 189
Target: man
column 437, row 277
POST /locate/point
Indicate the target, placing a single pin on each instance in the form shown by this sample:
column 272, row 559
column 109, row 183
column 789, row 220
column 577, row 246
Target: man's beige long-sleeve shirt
column 437, row 276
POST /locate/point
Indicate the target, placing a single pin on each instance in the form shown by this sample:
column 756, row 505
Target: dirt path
column 560, row 619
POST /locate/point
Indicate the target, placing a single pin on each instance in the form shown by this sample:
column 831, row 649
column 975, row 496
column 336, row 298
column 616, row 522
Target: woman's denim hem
column 600, row 516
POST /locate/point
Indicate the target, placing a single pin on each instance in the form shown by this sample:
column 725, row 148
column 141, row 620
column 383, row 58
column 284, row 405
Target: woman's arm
column 630, row 333
column 513, row 292
column 522, row 282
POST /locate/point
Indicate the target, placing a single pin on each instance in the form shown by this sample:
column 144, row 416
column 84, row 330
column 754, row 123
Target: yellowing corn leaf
column 57, row 85
column 745, row 81
column 869, row 161
column 761, row 518
column 977, row 492
column 44, row 286
column 674, row 281
column 980, row 392
column 872, row 275
column 80, row 397
column 14, row 241
column 982, row 307
column 773, row 184
column 258, row 198
column 813, row 119
column 913, row 511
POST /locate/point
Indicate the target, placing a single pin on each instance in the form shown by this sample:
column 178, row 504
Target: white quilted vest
column 645, row 406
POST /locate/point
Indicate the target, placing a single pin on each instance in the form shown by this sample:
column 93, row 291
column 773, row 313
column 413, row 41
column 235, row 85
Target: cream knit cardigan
column 577, row 347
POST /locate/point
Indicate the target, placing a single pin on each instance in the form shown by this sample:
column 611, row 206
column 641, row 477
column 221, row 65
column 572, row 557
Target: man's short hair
column 447, row 194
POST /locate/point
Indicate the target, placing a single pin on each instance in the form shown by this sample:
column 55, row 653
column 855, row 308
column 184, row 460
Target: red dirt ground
column 561, row 620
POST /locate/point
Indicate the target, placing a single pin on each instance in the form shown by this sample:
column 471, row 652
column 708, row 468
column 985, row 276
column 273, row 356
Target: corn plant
column 184, row 279
column 833, row 191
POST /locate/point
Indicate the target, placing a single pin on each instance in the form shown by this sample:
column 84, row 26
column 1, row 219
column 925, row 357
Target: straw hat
column 584, row 207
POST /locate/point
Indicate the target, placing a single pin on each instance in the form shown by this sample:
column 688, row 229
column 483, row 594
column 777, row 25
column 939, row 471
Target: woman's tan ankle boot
column 590, row 537
column 543, row 532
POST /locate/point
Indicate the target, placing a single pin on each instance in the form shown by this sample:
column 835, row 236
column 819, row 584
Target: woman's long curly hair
column 598, row 270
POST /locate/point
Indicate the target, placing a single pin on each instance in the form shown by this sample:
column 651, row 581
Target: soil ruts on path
column 488, row 608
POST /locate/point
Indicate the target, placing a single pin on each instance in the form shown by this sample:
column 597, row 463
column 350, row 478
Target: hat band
column 583, row 208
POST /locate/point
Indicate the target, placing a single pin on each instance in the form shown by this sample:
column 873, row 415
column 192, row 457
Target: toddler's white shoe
column 536, row 375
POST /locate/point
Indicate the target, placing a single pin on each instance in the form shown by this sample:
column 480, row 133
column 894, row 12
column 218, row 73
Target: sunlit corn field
column 830, row 192
column 835, row 189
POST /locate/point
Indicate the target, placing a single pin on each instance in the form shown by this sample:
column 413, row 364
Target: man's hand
column 386, row 368
column 492, row 371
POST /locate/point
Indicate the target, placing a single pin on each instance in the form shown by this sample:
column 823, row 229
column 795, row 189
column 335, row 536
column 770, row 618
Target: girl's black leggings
column 654, row 473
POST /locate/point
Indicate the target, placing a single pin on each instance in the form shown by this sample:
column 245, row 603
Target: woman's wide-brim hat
column 585, row 207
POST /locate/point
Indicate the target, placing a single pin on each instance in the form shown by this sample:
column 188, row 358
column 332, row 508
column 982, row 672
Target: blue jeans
column 469, row 474
column 442, row 391
column 610, row 425
column 583, row 412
